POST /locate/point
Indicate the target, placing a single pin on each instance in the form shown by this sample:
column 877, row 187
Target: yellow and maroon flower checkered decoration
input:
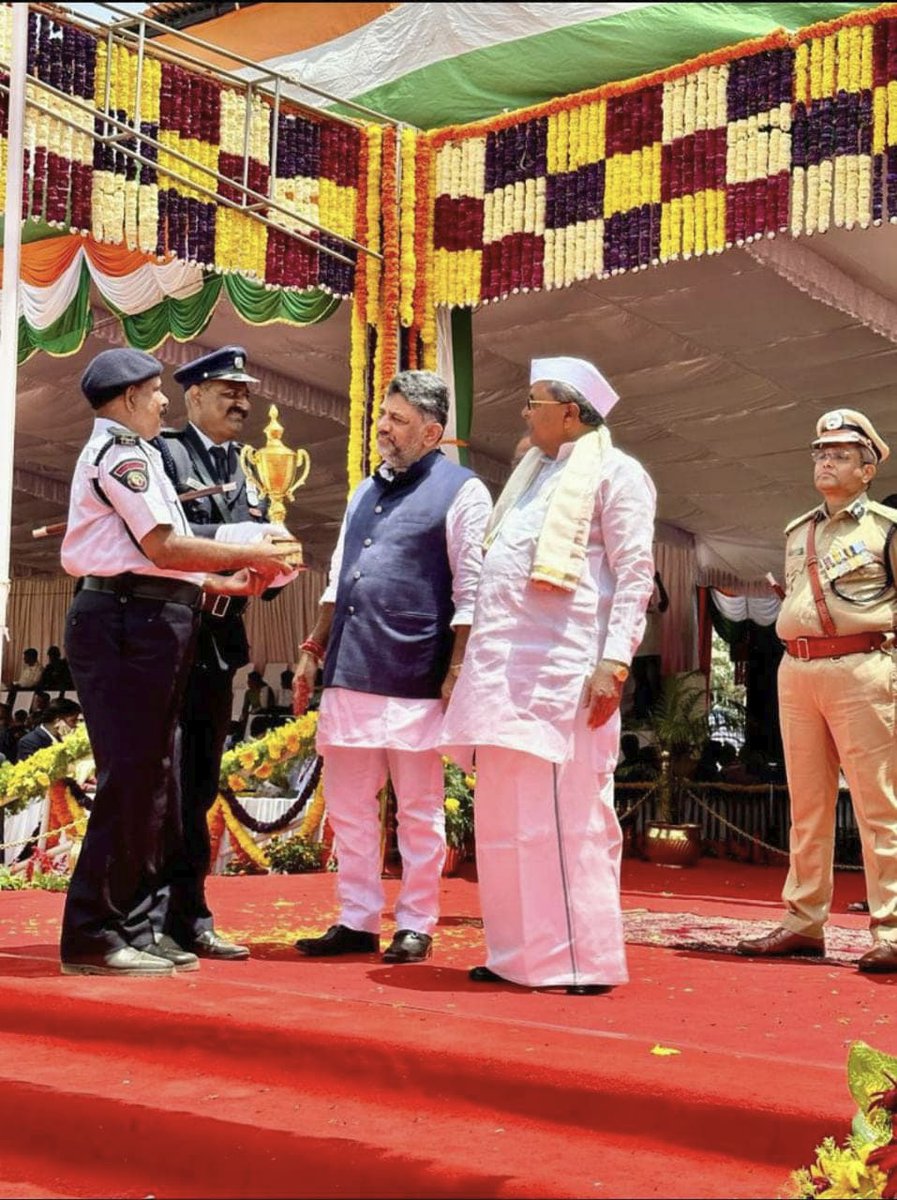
column 171, row 204
column 615, row 179
column 792, row 132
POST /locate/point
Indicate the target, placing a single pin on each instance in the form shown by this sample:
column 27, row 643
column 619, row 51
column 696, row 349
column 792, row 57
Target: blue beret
column 107, row 375
column 227, row 363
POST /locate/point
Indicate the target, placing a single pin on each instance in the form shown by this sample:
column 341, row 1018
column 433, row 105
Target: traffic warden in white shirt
column 129, row 638
column 560, row 611
column 392, row 631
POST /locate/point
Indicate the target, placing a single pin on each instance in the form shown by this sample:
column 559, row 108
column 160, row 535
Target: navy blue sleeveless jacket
column 391, row 632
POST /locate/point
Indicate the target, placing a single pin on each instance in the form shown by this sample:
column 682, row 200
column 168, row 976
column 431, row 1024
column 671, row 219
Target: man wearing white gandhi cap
column 836, row 691
column 560, row 610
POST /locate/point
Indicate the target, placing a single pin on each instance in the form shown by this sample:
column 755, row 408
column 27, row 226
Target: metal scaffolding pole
column 9, row 298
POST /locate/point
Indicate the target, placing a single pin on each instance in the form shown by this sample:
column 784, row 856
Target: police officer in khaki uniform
column 837, row 689
column 143, row 580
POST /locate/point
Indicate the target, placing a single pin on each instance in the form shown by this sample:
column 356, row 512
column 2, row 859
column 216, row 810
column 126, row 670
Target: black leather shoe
column 484, row 975
column 166, row 947
column 408, row 947
column 210, row 945
column 339, row 939
column 589, row 989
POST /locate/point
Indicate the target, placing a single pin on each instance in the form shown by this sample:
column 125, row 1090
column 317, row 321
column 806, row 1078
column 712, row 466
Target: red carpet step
column 290, row 1077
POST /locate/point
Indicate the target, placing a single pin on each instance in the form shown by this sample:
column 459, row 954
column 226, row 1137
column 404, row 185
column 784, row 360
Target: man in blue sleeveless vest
column 392, row 631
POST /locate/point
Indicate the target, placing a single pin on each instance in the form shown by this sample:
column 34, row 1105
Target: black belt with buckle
column 222, row 606
column 145, row 587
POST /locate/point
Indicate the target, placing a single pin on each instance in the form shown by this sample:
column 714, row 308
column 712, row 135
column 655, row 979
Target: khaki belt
column 806, row 648
column 145, row 587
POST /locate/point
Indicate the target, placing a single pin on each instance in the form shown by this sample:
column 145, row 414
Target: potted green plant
column 293, row 856
column 458, row 805
column 679, row 726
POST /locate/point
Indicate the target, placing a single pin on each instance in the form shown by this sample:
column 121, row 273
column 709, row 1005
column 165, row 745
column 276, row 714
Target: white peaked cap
column 579, row 374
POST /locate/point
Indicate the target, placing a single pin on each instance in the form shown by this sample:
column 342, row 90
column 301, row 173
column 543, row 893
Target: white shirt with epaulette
column 119, row 493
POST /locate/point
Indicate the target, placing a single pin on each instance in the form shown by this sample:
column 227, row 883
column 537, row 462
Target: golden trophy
column 275, row 470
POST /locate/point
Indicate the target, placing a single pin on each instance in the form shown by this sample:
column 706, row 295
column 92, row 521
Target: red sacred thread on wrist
column 314, row 648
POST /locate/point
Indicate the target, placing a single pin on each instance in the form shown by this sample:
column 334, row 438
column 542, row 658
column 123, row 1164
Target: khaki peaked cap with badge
column 846, row 425
column 856, row 550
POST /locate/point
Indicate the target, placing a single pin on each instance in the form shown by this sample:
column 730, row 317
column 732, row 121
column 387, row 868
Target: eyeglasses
column 837, row 456
column 531, row 403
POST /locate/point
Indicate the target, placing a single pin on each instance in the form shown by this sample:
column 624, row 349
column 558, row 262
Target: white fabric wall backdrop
column 38, row 604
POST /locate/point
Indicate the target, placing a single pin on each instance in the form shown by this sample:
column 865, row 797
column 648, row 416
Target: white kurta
column 364, row 737
column 551, row 842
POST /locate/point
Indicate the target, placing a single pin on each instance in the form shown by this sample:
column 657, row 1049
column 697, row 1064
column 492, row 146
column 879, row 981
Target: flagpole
column 9, row 296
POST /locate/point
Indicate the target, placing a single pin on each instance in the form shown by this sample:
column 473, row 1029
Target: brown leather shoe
column 881, row 959
column 782, row 943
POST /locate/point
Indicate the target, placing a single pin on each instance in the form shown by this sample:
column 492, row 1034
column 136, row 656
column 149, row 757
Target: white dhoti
column 548, row 862
column 352, row 778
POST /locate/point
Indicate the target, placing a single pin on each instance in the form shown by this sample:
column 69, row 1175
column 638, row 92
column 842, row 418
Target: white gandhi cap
column 579, row 374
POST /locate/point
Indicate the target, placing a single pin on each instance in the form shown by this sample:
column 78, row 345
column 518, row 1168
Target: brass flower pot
column 670, row 845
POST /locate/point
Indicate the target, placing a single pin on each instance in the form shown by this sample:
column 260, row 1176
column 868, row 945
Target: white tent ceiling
column 723, row 364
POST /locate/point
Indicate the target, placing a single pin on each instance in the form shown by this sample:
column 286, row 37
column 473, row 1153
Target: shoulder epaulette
column 172, row 433
column 800, row 520
column 882, row 510
column 123, row 437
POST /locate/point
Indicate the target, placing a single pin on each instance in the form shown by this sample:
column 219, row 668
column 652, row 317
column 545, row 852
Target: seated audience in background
column 259, row 695
column 637, row 764
column 234, row 735
column 744, row 767
column 8, row 739
column 630, row 765
column 285, row 693
column 646, row 663
column 56, row 676
column 260, row 724
column 57, row 720
column 39, row 702
column 29, row 675
column 707, row 769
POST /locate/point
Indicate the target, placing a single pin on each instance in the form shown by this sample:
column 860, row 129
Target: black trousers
column 204, row 725
column 129, row 658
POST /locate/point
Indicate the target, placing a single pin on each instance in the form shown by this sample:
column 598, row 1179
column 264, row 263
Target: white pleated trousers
column 548, row 861
column 352, row 778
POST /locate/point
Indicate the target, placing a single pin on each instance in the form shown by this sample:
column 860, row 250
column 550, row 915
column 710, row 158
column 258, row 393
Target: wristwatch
column 620, row 672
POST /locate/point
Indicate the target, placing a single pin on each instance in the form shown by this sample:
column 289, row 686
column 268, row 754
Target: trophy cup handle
column 303, row 466
column 247, row 462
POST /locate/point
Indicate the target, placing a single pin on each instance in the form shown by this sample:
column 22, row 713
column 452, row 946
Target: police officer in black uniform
column 129, row 638
column 205, row 452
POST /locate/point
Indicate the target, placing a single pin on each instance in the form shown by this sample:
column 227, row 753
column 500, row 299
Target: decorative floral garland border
column 72, row 182
column 790, row 132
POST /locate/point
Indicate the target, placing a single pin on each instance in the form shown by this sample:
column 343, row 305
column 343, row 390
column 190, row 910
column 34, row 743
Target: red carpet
column 286, row 1076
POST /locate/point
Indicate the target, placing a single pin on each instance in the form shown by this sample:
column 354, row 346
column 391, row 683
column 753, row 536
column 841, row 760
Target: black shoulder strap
column 889, row 543
column 104, row 449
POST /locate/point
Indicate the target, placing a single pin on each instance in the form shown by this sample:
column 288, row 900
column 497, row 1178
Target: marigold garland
column 386, row 357
column 785, row 132
column 73, row 182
